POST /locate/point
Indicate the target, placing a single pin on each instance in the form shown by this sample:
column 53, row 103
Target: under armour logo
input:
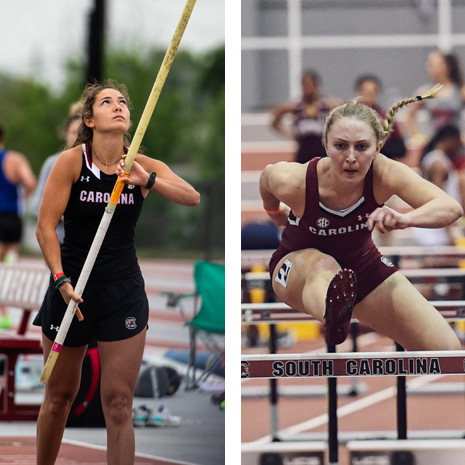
column 56, row 328
column 85, row 178
column 131, row 186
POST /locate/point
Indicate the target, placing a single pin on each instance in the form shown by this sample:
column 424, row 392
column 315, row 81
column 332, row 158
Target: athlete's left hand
column 386, row 219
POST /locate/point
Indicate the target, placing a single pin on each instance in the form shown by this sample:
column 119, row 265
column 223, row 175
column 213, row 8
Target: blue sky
column 39, row 36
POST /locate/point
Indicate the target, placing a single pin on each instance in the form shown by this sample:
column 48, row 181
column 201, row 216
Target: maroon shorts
column 370, row 273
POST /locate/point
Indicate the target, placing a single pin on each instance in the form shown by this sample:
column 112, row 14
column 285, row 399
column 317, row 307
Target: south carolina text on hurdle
column 353, row 364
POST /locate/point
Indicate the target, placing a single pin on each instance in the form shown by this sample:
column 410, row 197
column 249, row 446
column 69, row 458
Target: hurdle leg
column 333, row 443
column 273, row 345
column 354, row 381
column 401, row 402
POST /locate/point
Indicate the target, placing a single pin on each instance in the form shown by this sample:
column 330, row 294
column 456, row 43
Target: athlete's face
column 110, row 112
column 351, row 145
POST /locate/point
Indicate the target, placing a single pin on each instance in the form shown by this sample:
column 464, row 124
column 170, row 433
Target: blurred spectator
column 16, row 178
column 308, row 118
column 443, row 68
column 71, row 129
column 368, row 88
column 437, row 165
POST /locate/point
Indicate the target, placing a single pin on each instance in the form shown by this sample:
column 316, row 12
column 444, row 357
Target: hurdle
column 278, row 452
column 437, row 451
column 276, row 312
column 415, row 274
column 280, row 312
column 348, row 364
column 361, row 364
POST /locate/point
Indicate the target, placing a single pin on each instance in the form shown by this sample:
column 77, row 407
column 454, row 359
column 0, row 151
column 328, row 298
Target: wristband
column 59, row 279
column 275, row 212
column 151, row 180
column 57, row 276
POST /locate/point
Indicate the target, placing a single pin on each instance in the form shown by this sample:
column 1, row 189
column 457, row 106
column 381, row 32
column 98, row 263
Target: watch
column 151, row 180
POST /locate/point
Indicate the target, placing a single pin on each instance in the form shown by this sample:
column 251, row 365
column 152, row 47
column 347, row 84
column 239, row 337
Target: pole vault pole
column 119, row 185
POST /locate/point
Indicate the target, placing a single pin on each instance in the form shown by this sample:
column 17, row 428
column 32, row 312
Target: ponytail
column 356, row 110
column 387, row 126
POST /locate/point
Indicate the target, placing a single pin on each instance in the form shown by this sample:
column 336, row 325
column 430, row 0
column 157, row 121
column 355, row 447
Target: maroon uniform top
column 342, row 234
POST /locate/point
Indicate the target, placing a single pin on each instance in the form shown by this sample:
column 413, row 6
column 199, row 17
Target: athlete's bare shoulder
column 392, row 177
column 68, row 164
column 286, row 181
column 289, row 170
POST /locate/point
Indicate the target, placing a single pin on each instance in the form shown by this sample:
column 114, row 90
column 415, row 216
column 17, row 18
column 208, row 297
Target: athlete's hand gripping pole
column 115, row 195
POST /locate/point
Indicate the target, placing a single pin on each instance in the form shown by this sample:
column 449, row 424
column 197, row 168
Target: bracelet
column 64, row 281
column 59, row 280
column 275, row 212
column 151, row 180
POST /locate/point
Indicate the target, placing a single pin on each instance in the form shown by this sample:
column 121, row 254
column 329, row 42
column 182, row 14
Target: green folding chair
column 208, row 319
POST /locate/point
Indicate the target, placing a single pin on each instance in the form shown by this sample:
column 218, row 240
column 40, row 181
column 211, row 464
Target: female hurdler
column 327, row 264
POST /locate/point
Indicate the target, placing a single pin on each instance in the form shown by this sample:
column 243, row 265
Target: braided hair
column 356, row 110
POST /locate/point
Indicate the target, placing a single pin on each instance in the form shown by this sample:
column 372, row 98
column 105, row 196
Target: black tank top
column 88, row 198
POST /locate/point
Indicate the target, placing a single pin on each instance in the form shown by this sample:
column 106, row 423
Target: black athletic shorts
column 113, row 311
column 11, row 227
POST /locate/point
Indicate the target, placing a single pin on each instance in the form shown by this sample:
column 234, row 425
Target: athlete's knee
column 59, row 404
column 326, row 263
column 117, row 407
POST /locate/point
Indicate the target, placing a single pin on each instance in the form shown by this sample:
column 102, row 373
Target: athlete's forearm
column 179, row 192
column 50, row 246
column 437, row 213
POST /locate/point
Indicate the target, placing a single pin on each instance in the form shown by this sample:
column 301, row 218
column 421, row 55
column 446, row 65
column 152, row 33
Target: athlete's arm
column 431, row 206
column 277, row 116
column 57, row 189
column 283, row 182
column 63, row 175
column 20, row 172
column 167, row 183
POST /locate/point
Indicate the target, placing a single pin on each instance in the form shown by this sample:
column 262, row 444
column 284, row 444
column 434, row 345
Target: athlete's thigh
column 397, row 310
column 296, row 270
column 121, row 361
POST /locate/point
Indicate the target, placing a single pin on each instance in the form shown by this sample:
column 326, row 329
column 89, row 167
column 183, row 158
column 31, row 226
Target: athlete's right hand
column 68, row 294
column 280, row 219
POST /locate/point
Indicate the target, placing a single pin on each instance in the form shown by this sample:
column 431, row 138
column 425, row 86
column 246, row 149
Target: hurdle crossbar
column 279, row 312
column 414, row 274
column 333, row 365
